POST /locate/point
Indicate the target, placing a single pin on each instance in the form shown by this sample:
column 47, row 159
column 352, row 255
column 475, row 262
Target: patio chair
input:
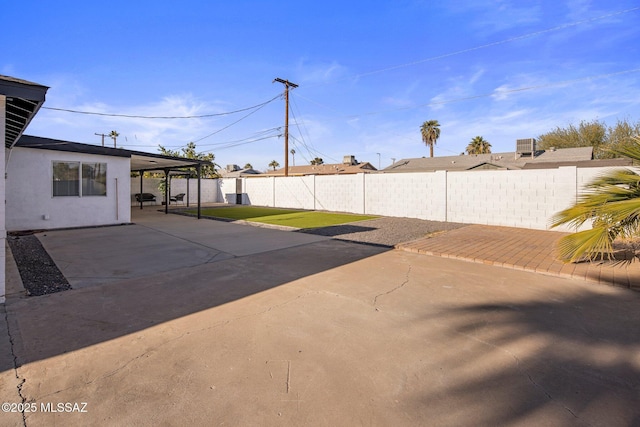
column 178, row 198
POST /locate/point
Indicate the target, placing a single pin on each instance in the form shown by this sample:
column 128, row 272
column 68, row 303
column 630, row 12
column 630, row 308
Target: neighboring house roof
column 325, row 169
column 140, row 161
column 542, row 159
column 238, row 173
column 598, row 163
column 24, row 99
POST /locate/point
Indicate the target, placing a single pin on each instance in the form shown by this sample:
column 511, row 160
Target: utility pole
column 287, row 84
column 102, row 135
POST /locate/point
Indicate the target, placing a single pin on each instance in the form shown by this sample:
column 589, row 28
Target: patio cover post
column 188, row 177
column 199, row 171
column 166, row 190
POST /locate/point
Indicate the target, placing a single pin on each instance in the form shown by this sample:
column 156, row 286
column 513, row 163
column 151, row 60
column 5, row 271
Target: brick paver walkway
column 521, row 249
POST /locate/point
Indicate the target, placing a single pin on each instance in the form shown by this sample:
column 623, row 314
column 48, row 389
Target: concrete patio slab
column 328, row 333
column 156, row 243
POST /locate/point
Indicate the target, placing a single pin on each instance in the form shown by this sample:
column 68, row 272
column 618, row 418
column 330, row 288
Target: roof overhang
column 140, row 161
column 148, row 162
column 23, row 100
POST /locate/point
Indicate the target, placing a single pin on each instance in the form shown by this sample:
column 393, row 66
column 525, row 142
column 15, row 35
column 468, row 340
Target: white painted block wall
column 209, row 189
column 259, row 191
column 518, row 198
column 415, row 195
column 294, row 192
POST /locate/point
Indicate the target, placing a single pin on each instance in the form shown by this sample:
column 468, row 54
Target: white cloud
column 315, row 73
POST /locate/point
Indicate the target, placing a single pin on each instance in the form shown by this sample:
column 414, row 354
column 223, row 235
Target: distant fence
column 513, row 198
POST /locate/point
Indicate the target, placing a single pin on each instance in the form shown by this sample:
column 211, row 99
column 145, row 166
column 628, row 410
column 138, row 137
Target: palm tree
column 274, row 164
column 293, row 155
column 430, row 131
column 479, row 145
column 612, row 205
column 317, row 161
column 114, row 135
column 248, row 166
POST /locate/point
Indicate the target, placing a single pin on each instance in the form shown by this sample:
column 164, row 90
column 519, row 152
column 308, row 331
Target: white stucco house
column 53, row 184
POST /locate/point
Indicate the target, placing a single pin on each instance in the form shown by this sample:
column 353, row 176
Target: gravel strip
column 386, row 231
column 39, row 274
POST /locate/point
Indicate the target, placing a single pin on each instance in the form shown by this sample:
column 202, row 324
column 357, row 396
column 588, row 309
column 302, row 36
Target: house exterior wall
column 3, row 228
column 513, row 198
column 30, row 203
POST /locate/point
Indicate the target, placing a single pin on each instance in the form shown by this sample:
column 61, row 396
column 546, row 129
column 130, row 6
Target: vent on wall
column 526, row 147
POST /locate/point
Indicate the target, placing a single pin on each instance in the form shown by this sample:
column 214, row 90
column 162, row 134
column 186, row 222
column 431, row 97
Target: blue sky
column 369, row 73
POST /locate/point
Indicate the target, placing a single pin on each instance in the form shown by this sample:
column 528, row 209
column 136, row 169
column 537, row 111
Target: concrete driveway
column 265, row 327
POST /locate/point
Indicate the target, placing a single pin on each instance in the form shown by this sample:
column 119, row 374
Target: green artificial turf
column 285, row 217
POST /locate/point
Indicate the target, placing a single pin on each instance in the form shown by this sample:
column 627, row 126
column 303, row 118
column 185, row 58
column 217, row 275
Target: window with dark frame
column 79, row 179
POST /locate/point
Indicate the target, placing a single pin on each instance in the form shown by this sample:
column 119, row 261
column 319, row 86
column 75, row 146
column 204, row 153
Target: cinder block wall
column 209, row 189
column 520, row 198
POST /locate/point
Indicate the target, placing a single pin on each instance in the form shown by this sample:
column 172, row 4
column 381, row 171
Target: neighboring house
column 349, row 166
column 234, row 171
column 522, row 158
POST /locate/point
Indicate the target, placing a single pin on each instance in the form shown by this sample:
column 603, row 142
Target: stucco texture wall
column 30, row 204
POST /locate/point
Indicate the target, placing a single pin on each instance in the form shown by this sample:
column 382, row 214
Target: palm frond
column 587, row 244
column 612, row 203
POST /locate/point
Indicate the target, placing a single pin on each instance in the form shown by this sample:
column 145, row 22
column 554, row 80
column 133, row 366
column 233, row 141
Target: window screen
column 66, row 179
column 94, row 179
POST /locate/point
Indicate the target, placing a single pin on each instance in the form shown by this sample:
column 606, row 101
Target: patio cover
column 140, row 161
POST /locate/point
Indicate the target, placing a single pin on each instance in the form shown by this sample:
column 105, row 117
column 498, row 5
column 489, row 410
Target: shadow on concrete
column 54, row 324
column 337, row 230
column 584, row 366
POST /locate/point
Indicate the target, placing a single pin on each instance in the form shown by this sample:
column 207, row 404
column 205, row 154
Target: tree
column 479, row 145
column 605, row 140
column 293, row 155
column 612, row 205
column 317, row 161
column 190, row 152
column 586, row 134
column 248, row 166
column 430, row 131
column 622, row 135
column 274, row 164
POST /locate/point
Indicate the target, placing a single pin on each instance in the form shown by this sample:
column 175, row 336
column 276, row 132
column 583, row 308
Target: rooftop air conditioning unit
column 526, row 147
column 349, row 160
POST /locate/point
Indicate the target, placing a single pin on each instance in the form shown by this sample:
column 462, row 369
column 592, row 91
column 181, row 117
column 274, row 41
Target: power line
column 471, row 49
column 129, row 116
column 239, row 120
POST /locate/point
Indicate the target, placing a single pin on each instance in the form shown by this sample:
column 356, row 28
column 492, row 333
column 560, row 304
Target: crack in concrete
column 15, row 365
column 401, row 285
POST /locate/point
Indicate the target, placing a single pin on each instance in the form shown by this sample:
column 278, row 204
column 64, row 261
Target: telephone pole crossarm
column 287, row 84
